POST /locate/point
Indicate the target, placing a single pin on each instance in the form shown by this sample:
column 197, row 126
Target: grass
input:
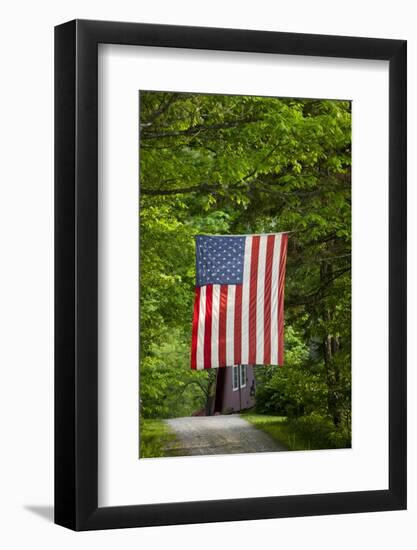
column 156, row 440
column 301, row 434
column 298, row 434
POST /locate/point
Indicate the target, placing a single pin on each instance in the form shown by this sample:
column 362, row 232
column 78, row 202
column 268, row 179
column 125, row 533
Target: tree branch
column 196, row 129
column 162, row 109
column 181, row 190
column 311, row 298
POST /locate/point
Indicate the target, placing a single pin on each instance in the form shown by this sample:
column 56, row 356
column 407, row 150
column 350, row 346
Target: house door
column 220, row 380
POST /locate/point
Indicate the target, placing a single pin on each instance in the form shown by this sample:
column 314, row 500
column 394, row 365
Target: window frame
column 235, row 369
column 243, row 372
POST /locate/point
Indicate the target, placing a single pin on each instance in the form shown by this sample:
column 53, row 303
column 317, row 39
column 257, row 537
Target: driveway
column 216, row 435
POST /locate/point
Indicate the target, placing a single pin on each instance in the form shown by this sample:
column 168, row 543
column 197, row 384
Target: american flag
column 239, row 300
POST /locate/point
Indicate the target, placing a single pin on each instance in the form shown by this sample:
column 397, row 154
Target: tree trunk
column 330, row 348
column 211, row 384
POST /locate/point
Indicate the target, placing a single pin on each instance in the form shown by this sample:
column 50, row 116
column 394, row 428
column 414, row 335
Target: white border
column 123, row 479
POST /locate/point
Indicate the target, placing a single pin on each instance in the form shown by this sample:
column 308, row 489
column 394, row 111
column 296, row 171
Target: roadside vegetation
column 301, row 434
column 156, row 440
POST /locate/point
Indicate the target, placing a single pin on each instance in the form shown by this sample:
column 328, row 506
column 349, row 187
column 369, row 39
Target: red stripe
column 282, row 262
column 267, row 298
column 222, row 324
column 195, row 328
column 252, row 298
column 238, row 325
column 207, row 327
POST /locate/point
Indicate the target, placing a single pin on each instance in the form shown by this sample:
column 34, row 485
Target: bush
column 318, row 432
column 295, row 390
column 168, row 387
column 292, row 392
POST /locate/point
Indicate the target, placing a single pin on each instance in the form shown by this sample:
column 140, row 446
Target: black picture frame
column 76, row 272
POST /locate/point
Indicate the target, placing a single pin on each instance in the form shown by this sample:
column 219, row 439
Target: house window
column 239, row 375
column 235, row 377
column 242, row 376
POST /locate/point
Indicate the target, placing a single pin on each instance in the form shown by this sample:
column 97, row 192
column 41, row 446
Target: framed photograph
column 230, row 253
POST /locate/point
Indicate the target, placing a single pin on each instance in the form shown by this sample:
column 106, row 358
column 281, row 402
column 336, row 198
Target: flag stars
column 219, row 259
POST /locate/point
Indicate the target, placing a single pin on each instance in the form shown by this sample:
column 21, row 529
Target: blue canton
column 219, row 260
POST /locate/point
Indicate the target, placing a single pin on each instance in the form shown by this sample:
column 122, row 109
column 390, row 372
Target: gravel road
column 215, row 435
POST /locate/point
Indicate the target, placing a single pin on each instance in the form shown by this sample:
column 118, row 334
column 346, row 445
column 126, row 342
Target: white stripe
column 245, row 301
column 260, row 294
column 201, row 324
column 230, row 326
column 215, row 327
column 274, row 300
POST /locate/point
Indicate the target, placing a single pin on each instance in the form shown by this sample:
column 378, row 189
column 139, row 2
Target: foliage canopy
column 236, row 165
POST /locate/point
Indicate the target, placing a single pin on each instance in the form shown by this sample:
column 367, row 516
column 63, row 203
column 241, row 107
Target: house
column 235, row 389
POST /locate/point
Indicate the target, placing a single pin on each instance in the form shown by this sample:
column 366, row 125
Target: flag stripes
column 267, row 298
column 238, row 326
column 283, row 260
column 195, row 328
column 222, row 325
column 245, row 302
column 230, row 325
column 243, row 323
column 215, row 327
column 253, row 291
